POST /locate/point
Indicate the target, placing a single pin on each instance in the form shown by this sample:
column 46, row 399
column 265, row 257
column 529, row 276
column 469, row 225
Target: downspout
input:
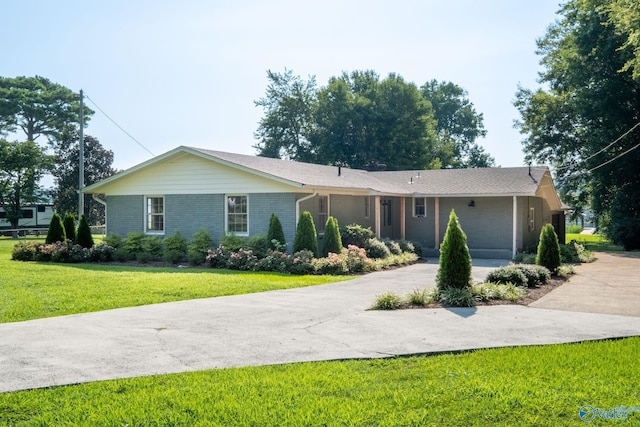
column 304, row 199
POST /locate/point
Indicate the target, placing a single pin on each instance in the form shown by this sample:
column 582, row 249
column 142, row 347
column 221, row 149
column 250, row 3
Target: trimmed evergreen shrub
column 508, row 274
column 394, row 247
column 231, row 242
column 175, row 248
column 537, row 275
column 332, row 241
column 197, row 249
column 113, row 240
column 455, row 260
column 56, row 230
column 69, row 224
column 306, row 236
column 275, row 233
column 355, row 234
column 548, row 254
column 151, row 249
column 84, row 238
column 377, row 249
column 258, row 244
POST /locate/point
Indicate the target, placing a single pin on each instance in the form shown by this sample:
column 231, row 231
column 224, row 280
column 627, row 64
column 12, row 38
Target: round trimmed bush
column 356, row 235
column 377, row 249
column 508, row 274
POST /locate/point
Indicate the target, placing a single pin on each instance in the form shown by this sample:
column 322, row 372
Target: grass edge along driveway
column 31, row 290
column 536, row 385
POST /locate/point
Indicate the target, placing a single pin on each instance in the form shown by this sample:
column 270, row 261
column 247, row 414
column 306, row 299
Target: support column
column 378, row 206
column 437, row 223
column 515, row 227
column 402, row 218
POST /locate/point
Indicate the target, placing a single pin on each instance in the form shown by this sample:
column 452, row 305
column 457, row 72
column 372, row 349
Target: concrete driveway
column 308, row 324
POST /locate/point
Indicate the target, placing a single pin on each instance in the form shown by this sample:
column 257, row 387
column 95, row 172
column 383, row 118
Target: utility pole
column 81, row 160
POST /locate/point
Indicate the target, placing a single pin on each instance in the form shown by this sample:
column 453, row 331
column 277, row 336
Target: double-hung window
column 420, row 207
column 237, row 207
column 154, row 214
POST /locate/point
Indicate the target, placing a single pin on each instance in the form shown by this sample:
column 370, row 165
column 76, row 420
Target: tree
column 459, row 126
column 98, row 166
column 548, row 254
column 359, row 120
column 455, row 260
column 56, row 230
column 275, row 232
column 85, row 239
column 306, row 237
column 625, row 16
column 583, row 121
column 37, row 106
column 22, row 164
column 332, row 241
column 69, row 224
column 289, row 105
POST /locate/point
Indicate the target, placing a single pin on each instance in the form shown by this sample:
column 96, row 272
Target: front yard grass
column 30, row 290
column 524, row 386
column 594, row 242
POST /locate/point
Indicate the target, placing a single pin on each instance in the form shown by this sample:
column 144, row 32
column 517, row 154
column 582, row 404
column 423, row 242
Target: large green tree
column 98, row 165
column 583, row 119
column 36, row 106
column 625, row 16
column 458, row 124
column 359, row 120
column 22, row 164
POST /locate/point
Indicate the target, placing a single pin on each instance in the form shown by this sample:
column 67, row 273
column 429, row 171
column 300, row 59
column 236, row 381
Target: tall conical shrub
column 69, row 224
column 84, row 239
column 306, row 236
column 275, row 232
column 332, row 241
column 455, row 260
column 549, row 249
column 56, row 230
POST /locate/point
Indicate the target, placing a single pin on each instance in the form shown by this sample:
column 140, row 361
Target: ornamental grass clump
column 455, row 263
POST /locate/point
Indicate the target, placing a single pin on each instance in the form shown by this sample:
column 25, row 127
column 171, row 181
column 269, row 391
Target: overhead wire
column 117, row 125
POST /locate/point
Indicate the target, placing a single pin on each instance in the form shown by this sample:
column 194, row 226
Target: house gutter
column 304, row 199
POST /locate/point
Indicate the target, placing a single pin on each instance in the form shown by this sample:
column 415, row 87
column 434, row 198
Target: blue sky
column 187, row 73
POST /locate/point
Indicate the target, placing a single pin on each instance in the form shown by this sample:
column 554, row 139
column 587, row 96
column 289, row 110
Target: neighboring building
column 188, row 189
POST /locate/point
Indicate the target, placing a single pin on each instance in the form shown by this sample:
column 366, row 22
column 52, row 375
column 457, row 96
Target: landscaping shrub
column 455, row 261
column 101, row 252
column 497, row 291
column 275, row 233
column 624, row 225
column 151, row 249
column 457, row 297
column 393, row 246
column 231, row 242
column 113, row 240
column 536, row 275
column 133, row 244
column 355, row 234
column 357, row 260
column 24, row 251
column 376, row 249
column 387, row 301
column 275, row 261
column 407, row 246
column 548, row 254
column 332, row 242
column 507, row 274
column 566, row 270
column 56, row 230
column 422, row 297
column 574, row 252
column 258, row 244
column 198, row 247
column 69, row 224
column 391, row 261
column 175, row 248
column 300, row 262
column 242, row 259
column 525, row 258
column 332, row 264
column 84, row 238
column 306, row 236
column 217, row 258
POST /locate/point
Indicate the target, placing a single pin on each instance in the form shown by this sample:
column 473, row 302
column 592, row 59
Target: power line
column 119, row 127
column 604, row 149
column 615, row 158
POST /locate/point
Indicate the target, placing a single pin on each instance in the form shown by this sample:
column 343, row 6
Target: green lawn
column 34, row 290
column 537, row 386
column 594, row 242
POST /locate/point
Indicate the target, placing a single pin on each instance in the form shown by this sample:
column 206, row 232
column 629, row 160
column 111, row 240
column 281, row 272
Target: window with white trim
column 154, row 214
column 237, row 214
column 420, row 207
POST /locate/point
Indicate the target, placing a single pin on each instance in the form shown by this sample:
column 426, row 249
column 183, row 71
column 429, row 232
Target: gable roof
column 515, row 181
